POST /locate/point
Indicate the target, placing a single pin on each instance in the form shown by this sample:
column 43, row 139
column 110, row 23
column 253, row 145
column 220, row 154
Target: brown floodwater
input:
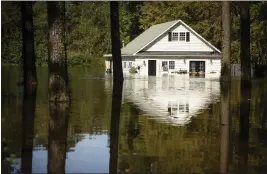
column 168, row 124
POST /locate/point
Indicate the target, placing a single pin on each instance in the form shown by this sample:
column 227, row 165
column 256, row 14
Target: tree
column 28, row 52
column 245, row 68
column 58, row 85
column 245, row 43
column 117, row 86
column 226, row 42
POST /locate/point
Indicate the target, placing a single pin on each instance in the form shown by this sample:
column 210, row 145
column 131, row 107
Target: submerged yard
column 168, row 124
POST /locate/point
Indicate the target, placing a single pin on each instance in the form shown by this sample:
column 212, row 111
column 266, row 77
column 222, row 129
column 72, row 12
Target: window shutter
column 187, row 36
column 170, row 36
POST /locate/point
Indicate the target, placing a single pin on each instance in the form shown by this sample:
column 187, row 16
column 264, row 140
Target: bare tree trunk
column 57, row 137
column 117, row 87
column 57, row 58
column 245, row 86
column 245, row 44
column 115, row 40
column 226, row 41
column 28, row 53
column 245, row 69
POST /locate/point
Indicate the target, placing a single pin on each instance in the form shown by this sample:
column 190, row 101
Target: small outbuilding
column 171, row 47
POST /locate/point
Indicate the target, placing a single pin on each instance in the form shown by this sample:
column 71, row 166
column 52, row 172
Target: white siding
column 195, row 44
column 180, row 64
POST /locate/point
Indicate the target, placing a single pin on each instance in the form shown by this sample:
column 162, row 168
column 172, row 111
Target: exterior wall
column 195, row 44
column 211, row 67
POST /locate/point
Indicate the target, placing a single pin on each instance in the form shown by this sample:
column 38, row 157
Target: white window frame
column 175, row 36
column 171, row 65
column 182, row 35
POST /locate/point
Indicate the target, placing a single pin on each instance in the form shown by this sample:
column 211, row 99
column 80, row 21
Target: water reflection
column 172, row 99
column 28, row 129
column 225, row 126
column 57, row 137
column 115, row 126
column 145, row 142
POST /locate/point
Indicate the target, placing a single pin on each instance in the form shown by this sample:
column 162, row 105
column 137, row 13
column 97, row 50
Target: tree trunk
column 117, row 87
column 58, row 85
column 245, row 70
column 226, row 41
column 57, row 137
column 28, row 53
column 245, row 44
column 115, row 40
column 245, row 86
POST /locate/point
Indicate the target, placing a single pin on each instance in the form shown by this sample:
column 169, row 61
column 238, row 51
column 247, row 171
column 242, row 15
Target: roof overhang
column 180, row 56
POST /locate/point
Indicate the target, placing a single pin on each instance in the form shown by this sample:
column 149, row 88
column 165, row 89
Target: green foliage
column 133, row 70
column 88, row 28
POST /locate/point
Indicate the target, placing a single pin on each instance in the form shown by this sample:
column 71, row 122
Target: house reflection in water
column 172, row 99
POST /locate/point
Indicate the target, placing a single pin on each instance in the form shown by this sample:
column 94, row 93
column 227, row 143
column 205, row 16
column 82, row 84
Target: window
column 175, row 36
column 171, row 65
column 182, row 36
column 130, row 65
column 202, row 66
column 164, row 65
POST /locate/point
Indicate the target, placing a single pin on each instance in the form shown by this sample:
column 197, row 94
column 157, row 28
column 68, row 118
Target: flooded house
column 171, row 47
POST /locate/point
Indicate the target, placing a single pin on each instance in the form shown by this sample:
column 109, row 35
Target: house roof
column 152, row 34
column 146, row 37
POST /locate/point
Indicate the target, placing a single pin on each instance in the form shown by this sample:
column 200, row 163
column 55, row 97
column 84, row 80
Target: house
column 169, row 47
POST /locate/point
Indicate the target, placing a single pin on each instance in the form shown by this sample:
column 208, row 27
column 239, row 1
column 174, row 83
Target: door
column 197, row 67
column 152, row 67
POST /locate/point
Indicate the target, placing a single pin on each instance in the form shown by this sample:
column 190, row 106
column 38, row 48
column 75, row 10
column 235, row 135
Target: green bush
column 133, row 70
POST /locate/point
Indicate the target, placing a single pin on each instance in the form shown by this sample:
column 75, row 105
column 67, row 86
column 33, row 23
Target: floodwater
column 169, row 124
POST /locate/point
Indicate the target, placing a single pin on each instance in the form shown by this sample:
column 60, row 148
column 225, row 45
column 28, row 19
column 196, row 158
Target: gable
column 195, row 44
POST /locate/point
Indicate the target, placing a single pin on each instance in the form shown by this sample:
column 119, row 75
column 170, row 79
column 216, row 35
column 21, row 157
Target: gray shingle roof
column 146, row 37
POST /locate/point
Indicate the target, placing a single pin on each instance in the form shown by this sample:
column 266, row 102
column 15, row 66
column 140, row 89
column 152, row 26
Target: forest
column 88, row 28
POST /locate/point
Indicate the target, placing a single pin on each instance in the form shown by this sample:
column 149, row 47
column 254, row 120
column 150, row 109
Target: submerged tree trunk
column 30, row 86
column 245, row 69
column 226, row 41
column 28, row 53
column 117, row 87
column 57, row 58
column 57, row 137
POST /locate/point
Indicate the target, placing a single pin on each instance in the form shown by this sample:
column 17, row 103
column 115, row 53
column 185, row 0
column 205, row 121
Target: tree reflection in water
column 225, row 126
column 57, row 137
column 28, row 130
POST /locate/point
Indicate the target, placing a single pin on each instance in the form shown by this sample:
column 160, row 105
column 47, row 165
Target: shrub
column 133, row 70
